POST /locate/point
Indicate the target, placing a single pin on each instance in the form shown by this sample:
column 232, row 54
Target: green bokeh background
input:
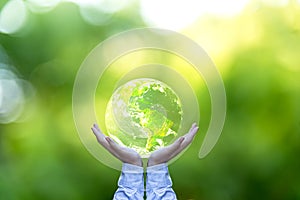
column 257, row 156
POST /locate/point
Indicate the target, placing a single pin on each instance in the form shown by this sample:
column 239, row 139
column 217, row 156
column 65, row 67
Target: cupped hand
column 124, row 154
column 165, row 154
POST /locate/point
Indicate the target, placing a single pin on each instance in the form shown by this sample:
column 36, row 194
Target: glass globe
column 143, row 114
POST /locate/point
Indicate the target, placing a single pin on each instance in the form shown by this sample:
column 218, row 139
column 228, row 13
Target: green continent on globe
column 143, row 114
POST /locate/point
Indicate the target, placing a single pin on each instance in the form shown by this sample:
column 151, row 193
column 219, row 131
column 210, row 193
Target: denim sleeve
column 159, row 183
column 131, row 183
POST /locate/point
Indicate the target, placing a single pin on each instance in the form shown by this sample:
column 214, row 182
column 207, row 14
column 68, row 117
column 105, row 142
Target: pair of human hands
column 128, row 155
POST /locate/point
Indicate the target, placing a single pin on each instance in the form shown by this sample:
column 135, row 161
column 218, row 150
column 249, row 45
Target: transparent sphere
column 143, row 114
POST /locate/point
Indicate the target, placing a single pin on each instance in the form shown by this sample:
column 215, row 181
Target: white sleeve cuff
column 129, row 168
column 158, row 168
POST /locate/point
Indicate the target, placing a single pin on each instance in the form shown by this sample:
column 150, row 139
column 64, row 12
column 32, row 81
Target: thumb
column 112, row 143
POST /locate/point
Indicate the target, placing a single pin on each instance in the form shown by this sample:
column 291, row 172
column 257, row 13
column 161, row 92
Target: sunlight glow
column 41, row 6
column 107, row 6
column 94, row 15
column 276, row 2
column 98, row 12
column 178, row 14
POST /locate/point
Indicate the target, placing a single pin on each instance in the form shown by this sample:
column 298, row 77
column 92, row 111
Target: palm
column 162, row 155
column 165, row 154
column 124, row 154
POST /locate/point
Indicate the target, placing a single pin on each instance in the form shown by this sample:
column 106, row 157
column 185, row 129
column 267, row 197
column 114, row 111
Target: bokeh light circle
column 99, row 61
column 15, row 96
column 11, row 97
column 13, row 16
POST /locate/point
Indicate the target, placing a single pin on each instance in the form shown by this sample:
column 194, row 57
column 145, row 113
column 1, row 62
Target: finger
column 193, row 130
column 182, row 142
column 117, row 148
column 97, row 133
column 97, row 127
column 176, row 144
column 113, row 145
column 122, row 153
column 110, row 141
column 169, row 150
column 189, row 137
column 100, row 137
column 167, row 153
column 96, row 130
column 178, row 141
column 194, row 124
column 193, row 127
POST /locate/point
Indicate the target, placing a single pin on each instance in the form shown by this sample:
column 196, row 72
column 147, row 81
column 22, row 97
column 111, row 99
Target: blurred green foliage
column 257, row 156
